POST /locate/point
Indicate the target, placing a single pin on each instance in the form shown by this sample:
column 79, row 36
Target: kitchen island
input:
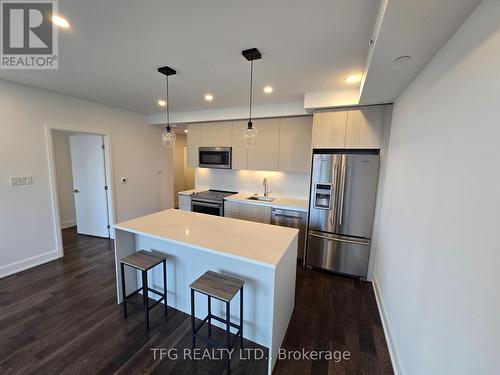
column 263, row 255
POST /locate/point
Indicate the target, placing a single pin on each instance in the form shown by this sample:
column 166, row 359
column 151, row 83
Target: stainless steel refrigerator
column 342, row 203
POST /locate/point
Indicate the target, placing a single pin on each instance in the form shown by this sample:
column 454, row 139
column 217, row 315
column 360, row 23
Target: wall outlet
column 21, row 180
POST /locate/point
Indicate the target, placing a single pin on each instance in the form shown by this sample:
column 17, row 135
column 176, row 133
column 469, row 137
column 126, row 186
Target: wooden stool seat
column 217, row 285
column 224, row 288
column 144, row 260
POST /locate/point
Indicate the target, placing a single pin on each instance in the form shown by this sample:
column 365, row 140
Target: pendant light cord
column 168, row 107
column 251, row 93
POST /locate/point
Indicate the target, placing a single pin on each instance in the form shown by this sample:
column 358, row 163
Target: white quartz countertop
column 191, row 191
column 255, row 242
column 293, row 204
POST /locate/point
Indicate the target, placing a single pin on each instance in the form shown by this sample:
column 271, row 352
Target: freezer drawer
column 338, row 253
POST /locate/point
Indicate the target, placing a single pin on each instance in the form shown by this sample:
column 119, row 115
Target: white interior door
column 89, row 180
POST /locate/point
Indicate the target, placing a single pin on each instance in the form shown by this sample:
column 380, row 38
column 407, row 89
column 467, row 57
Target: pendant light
column 250, row 133
column 168, row 136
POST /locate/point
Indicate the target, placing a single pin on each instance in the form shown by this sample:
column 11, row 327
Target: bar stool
column 143, row 261
column 224, row 288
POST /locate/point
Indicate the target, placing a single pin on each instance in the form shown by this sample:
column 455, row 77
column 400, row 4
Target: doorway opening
column 80, row 178
column 183, row 174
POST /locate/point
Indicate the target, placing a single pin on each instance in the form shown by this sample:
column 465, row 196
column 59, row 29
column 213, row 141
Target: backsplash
column 283, row 184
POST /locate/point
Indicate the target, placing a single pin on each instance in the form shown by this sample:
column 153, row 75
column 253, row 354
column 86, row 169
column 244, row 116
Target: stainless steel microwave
column 214, row 157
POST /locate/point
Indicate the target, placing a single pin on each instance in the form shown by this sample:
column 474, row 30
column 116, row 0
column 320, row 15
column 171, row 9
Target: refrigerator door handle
column 342, row 192
column 365, row 243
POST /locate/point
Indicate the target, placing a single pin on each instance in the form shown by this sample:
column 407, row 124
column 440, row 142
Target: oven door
column 214, row 157
column 208, row 208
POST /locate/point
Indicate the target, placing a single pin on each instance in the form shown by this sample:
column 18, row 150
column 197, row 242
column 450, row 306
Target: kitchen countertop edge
column 293, row 204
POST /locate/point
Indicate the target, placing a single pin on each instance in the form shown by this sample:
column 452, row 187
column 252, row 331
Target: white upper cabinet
column 284, row 144
column 364, row 127
column 216, row 134
column 264, row 155
column 356, row 128
column 329, row 129
column 193, row 141
column 295, row 144
column 239, row 150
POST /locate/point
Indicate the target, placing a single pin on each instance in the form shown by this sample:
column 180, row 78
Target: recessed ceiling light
column 162, row 103
column 268, row 89
column 402, row 59
column 209, row 97
column 60, row 21
column 353, row 79
column 185, row 130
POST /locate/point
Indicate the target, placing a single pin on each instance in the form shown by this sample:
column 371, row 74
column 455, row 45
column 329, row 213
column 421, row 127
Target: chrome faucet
column 267, row 187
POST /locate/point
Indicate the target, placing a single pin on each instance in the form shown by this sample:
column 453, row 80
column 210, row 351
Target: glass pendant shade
column 250, row 136
column 250, row 133
column 168, row 138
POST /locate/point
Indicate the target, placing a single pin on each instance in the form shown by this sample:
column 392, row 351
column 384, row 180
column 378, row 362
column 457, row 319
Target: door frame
column 49, row 129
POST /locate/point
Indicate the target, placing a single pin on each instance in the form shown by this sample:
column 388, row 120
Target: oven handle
column 206, row 204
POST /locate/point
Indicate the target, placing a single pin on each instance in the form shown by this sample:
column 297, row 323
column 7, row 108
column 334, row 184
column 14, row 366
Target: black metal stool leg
column 192, row 318
column 228, row 332
column 124, row 293
column 145, row 295
column 165, row 285
column 241, row 318
column 209, row 318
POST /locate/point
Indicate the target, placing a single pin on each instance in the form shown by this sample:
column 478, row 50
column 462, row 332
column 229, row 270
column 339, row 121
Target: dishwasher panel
column 292, row 219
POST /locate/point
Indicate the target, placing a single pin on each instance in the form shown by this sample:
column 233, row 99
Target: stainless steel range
column 210, row 202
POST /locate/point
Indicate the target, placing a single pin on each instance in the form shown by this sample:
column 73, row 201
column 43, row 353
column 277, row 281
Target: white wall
column 62, row 160
column 26, row 221
column 291, row 185
column 438, row 247
column 183, row 174
column 188, row 171
column 178, row 165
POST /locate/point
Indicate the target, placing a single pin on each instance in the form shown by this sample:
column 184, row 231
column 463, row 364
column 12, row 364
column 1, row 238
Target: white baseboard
column 68, row 223
column 24, row 264
column 386, row 326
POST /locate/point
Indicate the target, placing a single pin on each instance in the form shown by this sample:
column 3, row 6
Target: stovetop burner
column 213, row 195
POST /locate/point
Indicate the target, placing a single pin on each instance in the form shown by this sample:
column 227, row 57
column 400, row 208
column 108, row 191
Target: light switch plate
column 21, row 180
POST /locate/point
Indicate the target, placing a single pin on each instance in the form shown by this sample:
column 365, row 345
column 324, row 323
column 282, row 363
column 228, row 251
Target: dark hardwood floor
column 62, row 318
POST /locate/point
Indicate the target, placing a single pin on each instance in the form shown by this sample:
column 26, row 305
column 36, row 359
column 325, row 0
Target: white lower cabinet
column 248, row 211
column 255, row 212
column 184, row 202
column 232, row 209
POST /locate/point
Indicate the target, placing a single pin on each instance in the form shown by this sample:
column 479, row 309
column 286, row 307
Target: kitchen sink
column 260, row 198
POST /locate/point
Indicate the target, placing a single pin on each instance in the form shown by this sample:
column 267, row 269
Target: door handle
column 288, row 216
column 342, row 192
column 340, row 239
column 75, row 191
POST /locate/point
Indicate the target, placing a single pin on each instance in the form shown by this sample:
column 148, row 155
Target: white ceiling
column 113, row 48
column 409, row 27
